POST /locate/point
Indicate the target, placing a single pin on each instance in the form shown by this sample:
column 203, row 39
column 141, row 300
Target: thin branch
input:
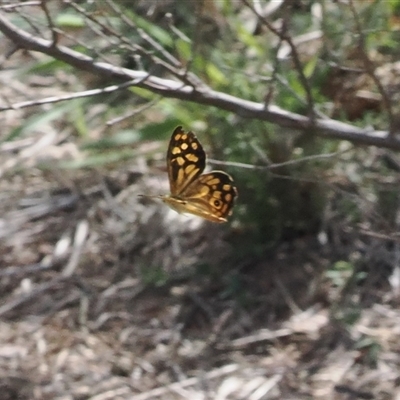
column 370, row 68
column 167, row 55
column 283, row 36
column 73, row 96
column 164, row 390
column 31, row 296
column 136, row 48
column 326, row 128
column 8, row 54
column 133, row 113
column 9, row 7
column 313, row 157
column 43, row 5
column 268, row 97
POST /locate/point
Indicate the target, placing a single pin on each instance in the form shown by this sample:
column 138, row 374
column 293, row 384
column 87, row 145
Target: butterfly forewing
column 186, row 160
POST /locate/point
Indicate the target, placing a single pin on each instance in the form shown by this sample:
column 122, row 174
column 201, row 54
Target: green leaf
column 122, row 138
column 184, row 49
column 95, row 160
column 158, row 34
column 310, row 66
column 215, row 75
column 157, row 131
column 69, row 20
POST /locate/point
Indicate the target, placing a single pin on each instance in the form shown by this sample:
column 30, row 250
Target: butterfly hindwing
column 213, row 192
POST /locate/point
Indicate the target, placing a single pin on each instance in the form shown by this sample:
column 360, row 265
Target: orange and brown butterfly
column 211, row 195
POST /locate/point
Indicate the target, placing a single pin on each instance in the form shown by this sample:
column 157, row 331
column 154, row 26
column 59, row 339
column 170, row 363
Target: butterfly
column 210, row 196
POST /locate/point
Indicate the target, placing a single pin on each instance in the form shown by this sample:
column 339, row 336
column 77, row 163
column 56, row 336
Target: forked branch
column 200, row 93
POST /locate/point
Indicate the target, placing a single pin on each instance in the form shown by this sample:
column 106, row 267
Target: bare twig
column 132, row 113
column 278, row 165
column 284, row 36
column 161, row 391
column 269, row 95
column 263, row 335
column 167, row 55
column 24, row 270
column 173, row 69
column 8, row 54
column 369, row 67
column 81, row 234
column 43, row 5
column 73, row 96
column 9, row 7
column 44, row 287
column 287, row 296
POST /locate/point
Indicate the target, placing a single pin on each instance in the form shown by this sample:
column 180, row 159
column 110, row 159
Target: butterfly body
column 210, row 196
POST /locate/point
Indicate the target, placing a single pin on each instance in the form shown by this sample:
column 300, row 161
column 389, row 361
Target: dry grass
column 80, row 322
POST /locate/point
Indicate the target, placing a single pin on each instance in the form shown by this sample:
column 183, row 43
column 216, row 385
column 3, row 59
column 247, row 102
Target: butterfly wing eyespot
column 210, row 196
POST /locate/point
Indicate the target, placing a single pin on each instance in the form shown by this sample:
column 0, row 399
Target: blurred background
column 108, row 295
